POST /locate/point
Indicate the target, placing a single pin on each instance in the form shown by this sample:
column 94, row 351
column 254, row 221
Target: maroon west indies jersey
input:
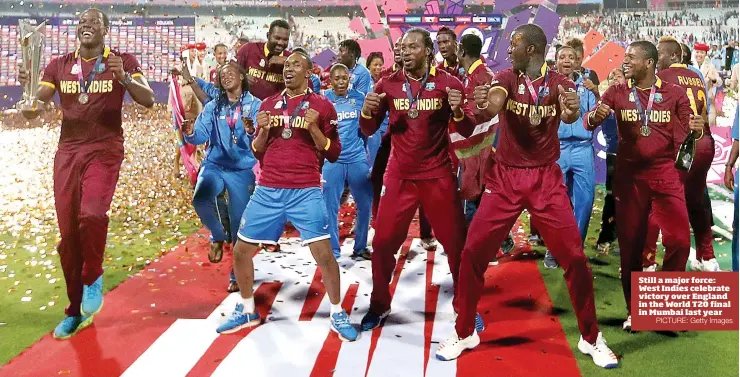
column 419, row 147
column 456, row 71
column 668, row 122
column 693, row 84
column 100, row 119
column 477, row 75
column 296, row 162
column 519, row 143
column 268, row 78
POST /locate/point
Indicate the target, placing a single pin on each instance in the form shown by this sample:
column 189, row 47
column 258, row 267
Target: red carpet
column 523, row 338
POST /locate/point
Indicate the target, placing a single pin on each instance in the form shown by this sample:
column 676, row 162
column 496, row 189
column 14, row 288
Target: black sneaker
column 364, row 254
column 550, row 261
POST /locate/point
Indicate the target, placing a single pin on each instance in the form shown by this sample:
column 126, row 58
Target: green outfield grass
column 701, row 354
column 23, row 322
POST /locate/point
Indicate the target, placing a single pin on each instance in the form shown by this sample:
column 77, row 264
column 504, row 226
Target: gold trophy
column 32, row 45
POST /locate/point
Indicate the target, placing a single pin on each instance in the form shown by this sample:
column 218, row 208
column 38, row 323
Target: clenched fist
column 277, row 59
column 372, row 103
column 481, row 95
column 570, row 103
column 248, row 125
column 455, row 98
column 312, row 118
column 115, row 64
column 602, row 112
column 263, row 120
column 187, row 127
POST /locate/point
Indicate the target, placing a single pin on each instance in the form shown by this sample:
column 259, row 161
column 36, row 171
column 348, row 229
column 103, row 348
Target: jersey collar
column 267, row 51
column 543, row 69
column 677, row 65
column 432, row 72
column 658, row 84
column 474, row 66
column 106, row 52
column 285, row 92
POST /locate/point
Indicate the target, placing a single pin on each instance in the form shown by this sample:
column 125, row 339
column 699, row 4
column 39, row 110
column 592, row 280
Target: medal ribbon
column 644, row 116
column 414, row 99
column 231, row 119
column 85, row 85
column 537, row 97
column 304, row 101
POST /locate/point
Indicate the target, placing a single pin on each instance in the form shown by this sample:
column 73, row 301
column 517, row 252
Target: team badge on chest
column 262, row 63
column 632, row 97
column 75, row 69
column 658, row 98
column 521, row 89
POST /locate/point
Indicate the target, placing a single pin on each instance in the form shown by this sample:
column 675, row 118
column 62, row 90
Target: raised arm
column 127, row 71
column 603, row 108
column 463, row 119
column 373, row 110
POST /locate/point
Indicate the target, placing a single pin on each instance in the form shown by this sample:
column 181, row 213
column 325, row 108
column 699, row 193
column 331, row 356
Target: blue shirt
column 575, row 131
column 360, row 79
column 315, row 83
column 212, row 127
column 609, row 128
column 348, row 114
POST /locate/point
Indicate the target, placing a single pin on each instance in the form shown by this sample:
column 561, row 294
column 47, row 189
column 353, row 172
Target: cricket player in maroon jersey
column 670, row 70
column 427, row 241
column 653, row 118
column 447, row 46
column 297, row 129
column 91, row 82
column 264, row 61
column 422, row 103
column 530, row 100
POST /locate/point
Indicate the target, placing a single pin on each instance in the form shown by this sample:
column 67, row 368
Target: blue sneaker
column 479, row 324
column 340, row 324
column 239, row 320
column 372, row 320
column 71, row 325
column 92, row 297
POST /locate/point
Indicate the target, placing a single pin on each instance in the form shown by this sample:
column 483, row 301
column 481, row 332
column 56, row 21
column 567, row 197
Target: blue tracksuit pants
column 577, row 163
column 355, row 174
column 212, row 180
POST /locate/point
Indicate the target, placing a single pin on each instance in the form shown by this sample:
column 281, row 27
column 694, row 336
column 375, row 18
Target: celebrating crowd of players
column 400, row 138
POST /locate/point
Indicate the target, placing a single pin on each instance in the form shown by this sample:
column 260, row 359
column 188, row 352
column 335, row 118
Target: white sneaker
column 650, row 268
column 451, row 348
column 696, row 265
column 599, row 352
column 627, row 325
column 710, row 265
